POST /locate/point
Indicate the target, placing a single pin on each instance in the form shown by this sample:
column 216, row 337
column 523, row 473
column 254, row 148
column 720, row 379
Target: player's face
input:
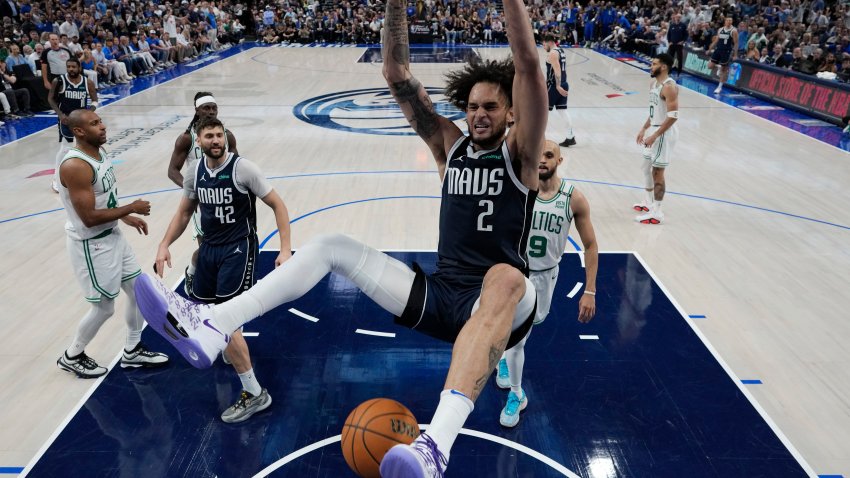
column 487, row 114
column 207, row 110
column 211, row 141
column 655, row 68
column 547, row 45
column 73, row 69
column 92, row 130
column 550, row 161
column 728, row 22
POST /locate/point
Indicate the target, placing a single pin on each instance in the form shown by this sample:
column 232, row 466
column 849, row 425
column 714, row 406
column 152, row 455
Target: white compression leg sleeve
column 134, row 319
column 91, row 323
column 385, row 280
column 649, row 182
column 515, row 357
column 565, row 121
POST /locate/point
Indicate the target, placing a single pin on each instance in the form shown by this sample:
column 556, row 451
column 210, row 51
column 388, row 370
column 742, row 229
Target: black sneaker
column 187, row 285
column 568, row 142
column 82, row 365
column 140, row 356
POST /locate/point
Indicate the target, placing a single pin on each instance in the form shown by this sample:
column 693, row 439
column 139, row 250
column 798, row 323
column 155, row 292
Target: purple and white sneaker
column 420, row 459
column 185, row 324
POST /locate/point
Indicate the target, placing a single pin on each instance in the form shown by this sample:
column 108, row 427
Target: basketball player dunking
column 658, row 136
column 724, row 49
column 480, row 298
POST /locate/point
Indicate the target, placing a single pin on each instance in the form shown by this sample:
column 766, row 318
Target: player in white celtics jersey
column 558, row 204
column 658, row 136
column 188, row 152
column 102, row 259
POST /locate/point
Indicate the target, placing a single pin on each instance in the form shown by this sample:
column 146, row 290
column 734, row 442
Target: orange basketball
column 371, row 430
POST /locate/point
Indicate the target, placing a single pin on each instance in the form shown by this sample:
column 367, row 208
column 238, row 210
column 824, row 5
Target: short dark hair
column 74, row 59
column 548, row 37
column 459, row 83
column 207, row 123
column 666, row 59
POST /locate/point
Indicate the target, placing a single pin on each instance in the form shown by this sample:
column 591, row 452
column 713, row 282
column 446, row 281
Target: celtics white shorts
column 102, row 263
column 661, row 151
column 544, row 283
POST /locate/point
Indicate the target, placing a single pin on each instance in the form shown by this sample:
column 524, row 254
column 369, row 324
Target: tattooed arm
column 437, row 131
column 530, row 102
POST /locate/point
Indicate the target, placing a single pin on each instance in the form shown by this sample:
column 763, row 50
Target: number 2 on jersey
column 487, row 204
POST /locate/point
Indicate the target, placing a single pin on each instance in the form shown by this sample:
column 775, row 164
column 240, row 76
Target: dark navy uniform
column 227, row 256
column 556, row 101
column 723, row 49
column 71, row 97
column 485, row 219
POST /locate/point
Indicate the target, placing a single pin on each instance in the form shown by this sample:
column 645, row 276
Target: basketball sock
column 564, row 121
column 250, row 383
column 516, row 361
column 132, row 316
column 656, row 206
column 91, row 323
column 451, row 414
column 383, row 279
column 650, row 197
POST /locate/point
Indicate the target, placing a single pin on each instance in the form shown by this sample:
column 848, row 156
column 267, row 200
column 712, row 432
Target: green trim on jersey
column 92, row 276
column 556, row 196
column 85, row 157
column 131, row 276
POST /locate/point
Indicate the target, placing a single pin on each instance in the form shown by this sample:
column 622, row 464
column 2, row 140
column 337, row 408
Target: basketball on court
column 371, row 430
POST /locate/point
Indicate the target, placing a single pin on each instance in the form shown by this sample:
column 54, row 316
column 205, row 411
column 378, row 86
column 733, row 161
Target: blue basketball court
column 637, row 392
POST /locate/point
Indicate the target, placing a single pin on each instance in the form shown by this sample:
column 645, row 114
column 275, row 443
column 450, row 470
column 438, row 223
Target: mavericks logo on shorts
column 368, row 111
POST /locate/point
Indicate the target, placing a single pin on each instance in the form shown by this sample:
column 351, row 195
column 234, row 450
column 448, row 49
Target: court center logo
column 367, row 111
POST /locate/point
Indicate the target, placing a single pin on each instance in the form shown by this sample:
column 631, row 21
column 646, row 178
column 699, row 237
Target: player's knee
column 332, row 240
column 505, row 281
column 105, row 308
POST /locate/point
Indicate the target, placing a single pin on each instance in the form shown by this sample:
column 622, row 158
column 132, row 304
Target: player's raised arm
column 437, row 131
column 530, row 102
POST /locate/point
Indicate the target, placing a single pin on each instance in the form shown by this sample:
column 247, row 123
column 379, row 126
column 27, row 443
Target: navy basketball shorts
column 225, row 270
column 556, row 101
column 440, row 304
column 721, row 57
column 65, row 133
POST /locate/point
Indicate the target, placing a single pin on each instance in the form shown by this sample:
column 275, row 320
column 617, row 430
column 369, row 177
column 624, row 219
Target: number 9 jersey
column 550, row 226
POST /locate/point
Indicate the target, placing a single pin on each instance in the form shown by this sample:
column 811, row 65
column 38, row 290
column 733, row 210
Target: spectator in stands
column 797, row 60
column 812, row 64
column 17, row 100
column 759, row 38
column 16, row 58
column 677, row 35
column 752, row 53
column 844, row 72
column 829, row 65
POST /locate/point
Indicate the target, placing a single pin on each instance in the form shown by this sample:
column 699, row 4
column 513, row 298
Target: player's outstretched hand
column 586, row 308
column 140, row 206
column 136, row 223
column 163, row 256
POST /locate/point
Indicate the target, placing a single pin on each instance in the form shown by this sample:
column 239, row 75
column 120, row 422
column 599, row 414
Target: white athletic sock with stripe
column 250, row 383
column 656, row 207
column 650, row 197
column 515, row 357
column 565, row 121
column 451, row 414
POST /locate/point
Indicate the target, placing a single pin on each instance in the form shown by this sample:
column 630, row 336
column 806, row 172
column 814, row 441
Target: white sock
column 250, row 383
column 650, row 198
column 516, row 361
column 132, row 316
column 451, row 414
column 91, row 323
column 191, row 269
column 657, row 206
column 564, row 121
column 385, row 280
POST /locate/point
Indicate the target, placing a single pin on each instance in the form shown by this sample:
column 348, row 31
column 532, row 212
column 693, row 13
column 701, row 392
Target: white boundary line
column 250, row 334
column 463, row 431
column 376, row 334
column 77, row 407
column 773, row 426
column 575, row 290
column 588, row 337
column 303, row 315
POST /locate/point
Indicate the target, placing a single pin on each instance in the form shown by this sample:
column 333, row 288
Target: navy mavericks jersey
column 73, row 97
column 550, row 73
column 724, row 39
column 227, row 212
column 485, row 212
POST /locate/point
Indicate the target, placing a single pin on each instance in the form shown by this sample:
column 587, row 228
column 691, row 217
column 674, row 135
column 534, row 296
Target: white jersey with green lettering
column 657, row 105
column 105, row 195
column 550, row 226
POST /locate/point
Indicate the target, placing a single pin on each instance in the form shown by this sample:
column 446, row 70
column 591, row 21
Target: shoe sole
column 521, row 409
column 652, row 221
column 503, row 386
column 143, row 365
column 65, row 368
column 258, row 410
column 400, row 463
column 155, row 311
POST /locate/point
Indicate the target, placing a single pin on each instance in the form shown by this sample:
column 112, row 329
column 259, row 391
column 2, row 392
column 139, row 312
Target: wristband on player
column 673, row 114
column 588, row 292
